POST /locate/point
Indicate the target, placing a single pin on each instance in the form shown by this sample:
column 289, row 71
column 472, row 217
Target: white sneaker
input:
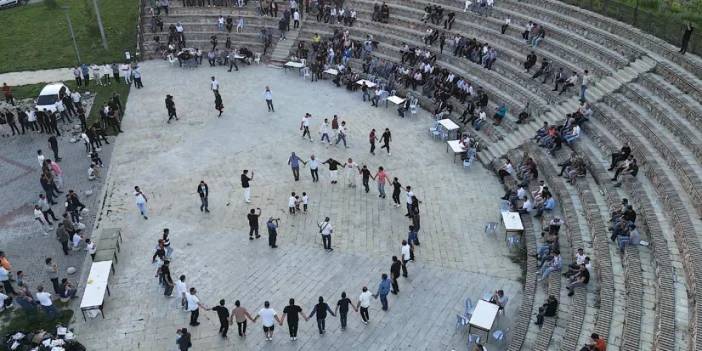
column 389, row 154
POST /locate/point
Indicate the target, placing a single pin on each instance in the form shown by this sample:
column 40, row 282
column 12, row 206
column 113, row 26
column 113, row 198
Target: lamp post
column 70, row 29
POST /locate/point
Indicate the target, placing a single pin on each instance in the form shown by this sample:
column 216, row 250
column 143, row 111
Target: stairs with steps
column 557, row 113
column 282, row 49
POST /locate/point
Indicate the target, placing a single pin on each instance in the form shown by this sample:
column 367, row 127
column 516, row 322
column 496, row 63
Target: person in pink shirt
column 381, row 177
column 58, row 173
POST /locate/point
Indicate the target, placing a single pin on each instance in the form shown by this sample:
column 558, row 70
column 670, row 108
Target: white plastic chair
column 499, row 335
column 491, row 228
column 172, row 59
column 257, row 58
column 435, row 131
column 306, row 73
column 413, row 106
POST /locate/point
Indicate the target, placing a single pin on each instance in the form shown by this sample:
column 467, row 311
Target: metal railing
column 663, row 24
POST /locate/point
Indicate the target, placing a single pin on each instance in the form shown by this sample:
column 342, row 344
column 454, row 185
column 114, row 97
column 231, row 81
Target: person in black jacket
column 184, row 342
column 321, row 309
column 170, row 107
column 219, row 106
column 395, row 273
column 204, row 191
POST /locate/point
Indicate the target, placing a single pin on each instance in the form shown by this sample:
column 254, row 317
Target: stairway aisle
column 282, row 49
column 557, row 113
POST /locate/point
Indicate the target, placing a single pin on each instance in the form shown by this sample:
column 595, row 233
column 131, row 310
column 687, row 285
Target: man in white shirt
column 585, row 80
column 305, row 126
column 91, row 248
column 214, row 84
column 269, row 99
column 406, row 255
column 314, row 168
column 141, row 200
column 40, row 158
column 193, row 305
column 409, row 195
column 350, row 171
column 181, row 291
column 326, row 229
column 44, row 299
column 268, row 318
column 363, row 304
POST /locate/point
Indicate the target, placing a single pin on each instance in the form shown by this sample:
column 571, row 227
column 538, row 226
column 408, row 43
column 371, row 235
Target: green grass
column 36, row 36
column 102, row 95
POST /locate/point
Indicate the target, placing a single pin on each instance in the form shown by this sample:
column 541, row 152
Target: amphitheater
column 643, row 92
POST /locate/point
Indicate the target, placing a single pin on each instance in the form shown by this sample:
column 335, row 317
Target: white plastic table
column 96, row 286
column 456, row 147
column 293, row 64
column 368, row 83
column 396, row 100
column 331, row 71
column 483, row 317
column 513, row 222
column 449, row 125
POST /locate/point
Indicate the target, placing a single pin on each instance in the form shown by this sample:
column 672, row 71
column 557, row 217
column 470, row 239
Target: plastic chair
column 491, row 228
column 504, row 206
column 468, row 162
column 468, row 308
column 435, row 131
column 499, row 335
column 413, row 106
column 306, row 73
column 513, row 241
column 257, row 58
column 461, row 321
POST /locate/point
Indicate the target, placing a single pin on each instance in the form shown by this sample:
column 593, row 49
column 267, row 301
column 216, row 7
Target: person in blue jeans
column 384, row 290
column 321, row 309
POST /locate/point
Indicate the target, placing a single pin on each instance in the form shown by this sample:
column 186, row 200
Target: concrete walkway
column 34, row 77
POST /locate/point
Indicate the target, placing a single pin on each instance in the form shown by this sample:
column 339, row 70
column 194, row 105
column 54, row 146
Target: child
column 92, row 175
column 96, row 158
column 90, row 247
column 76, row 240
column 305, row 199
column 291, row 203
column 297, row 203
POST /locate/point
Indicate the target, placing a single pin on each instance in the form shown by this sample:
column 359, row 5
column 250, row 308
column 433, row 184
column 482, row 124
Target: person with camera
column 326, row 229
column 272, row 225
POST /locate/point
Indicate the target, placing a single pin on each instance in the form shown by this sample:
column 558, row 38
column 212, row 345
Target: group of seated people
column 573, row 167
column 561, row 79
column 623, row 228
column 552, row 137
column 473, row 50
column 335, row 14
column 623, row 163
column 435, row 14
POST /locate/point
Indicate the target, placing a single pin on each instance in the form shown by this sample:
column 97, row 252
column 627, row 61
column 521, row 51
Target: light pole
column 70, row 29
column 99, row 21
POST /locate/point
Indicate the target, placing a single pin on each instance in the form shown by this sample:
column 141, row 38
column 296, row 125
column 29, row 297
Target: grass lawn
column 102, row 95
column 37, row 37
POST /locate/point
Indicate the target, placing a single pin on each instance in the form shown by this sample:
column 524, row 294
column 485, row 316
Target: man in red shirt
column 598, row 343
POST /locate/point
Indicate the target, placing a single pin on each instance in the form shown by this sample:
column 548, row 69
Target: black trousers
column 253, row 230
column 365, row 184
column 364, row 314
column 395, row 285
column 223, row 327
column 203, row 201
column 343, row 318
column 241, row 326
column 193, row 317
column 372, row 149
column 55, row 283
column 320, row 325
column 404, row 268
column 326, row 241
column 270, row 105
column 271, row 239
column 396, row 197
column 386, row 145
column 315, row 174
column 64, row 247
column 292, row 326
